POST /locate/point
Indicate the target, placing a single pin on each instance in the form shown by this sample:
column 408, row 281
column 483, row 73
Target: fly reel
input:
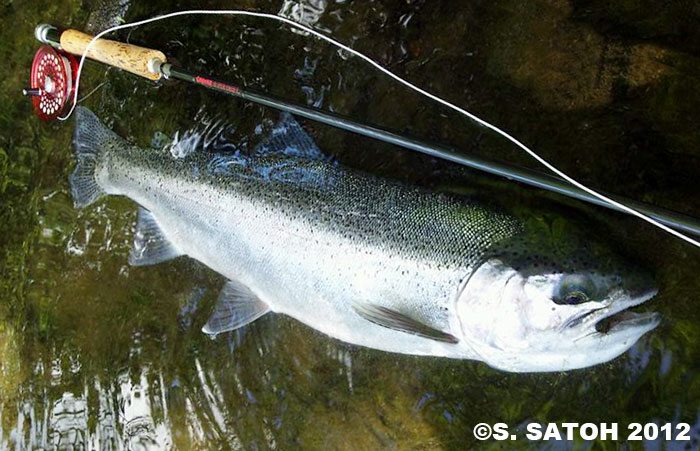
column 52, row 82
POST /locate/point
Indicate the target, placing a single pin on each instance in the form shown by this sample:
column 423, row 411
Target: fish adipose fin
column 235, row 307
column 392, row 319
column 90, row 139
column 150, row 244
column 288, row 138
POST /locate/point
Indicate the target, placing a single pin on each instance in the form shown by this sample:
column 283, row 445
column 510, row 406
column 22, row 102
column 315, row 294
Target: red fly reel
column 52, row 82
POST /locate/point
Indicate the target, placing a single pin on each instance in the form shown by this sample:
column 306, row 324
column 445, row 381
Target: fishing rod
column 52, row 91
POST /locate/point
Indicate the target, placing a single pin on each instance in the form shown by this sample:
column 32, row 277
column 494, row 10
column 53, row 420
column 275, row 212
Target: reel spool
column 52, row 82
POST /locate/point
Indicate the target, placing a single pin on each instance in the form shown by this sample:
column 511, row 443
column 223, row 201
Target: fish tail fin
column 89, row 141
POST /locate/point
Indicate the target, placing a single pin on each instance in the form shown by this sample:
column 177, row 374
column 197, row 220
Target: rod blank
column 530, row 177
column 151, row 64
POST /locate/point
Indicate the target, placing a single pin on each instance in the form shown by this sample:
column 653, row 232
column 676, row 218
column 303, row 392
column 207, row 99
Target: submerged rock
column 567, row 65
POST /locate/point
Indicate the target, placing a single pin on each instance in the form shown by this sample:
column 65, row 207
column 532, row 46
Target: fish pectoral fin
column 150, row 244
column 392, row 319
column 235, row 307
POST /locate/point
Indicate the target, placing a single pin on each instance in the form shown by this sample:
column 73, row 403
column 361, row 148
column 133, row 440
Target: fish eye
column 574, row 289
column 575, row 297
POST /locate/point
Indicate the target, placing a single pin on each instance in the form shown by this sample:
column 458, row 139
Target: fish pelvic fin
column 90, row 140
column 150, row 244
column 392, row 319
column 236, row 307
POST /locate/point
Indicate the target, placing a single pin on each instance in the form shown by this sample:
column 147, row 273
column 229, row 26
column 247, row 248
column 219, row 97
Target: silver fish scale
column 311, row 238
column 442, row 229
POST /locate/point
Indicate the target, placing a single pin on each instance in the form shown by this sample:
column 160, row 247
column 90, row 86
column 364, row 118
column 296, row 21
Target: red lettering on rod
column 217, row 84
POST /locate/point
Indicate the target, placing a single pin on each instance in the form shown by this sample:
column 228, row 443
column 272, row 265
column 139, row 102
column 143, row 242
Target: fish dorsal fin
column 392, row 319
column 287, row 137
column 235, row 307
column 150, row 244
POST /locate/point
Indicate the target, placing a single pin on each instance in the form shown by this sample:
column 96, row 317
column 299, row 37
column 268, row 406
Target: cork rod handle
column 131, row 58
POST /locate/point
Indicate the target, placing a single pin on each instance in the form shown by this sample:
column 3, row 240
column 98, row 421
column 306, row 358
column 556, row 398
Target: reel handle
column 137, row 60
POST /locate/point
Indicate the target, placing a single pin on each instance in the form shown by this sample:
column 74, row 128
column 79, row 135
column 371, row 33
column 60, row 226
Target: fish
column 366, row 260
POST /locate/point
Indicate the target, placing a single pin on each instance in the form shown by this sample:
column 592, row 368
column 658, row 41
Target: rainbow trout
column 365, row 260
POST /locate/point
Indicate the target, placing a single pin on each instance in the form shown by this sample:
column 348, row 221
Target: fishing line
column 387, row 72
column 88, row 95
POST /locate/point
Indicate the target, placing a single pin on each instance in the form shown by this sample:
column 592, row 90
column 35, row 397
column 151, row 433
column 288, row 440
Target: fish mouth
column 627, row 319
column 618, row 317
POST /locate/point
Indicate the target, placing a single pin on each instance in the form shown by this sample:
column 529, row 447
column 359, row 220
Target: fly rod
column 52, row 90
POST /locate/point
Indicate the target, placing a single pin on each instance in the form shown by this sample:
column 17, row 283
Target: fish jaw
column 601, row 348
column 625, row 327
column 588, row 350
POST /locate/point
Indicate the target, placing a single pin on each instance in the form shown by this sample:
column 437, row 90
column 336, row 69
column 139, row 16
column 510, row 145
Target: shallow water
column 97, row 354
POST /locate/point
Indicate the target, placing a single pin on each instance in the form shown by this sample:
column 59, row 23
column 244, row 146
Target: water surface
column 99, row 355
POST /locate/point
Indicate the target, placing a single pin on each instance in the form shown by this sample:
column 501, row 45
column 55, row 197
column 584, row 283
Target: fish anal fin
column 150, row 244
column 235, row 307
column 386, row 317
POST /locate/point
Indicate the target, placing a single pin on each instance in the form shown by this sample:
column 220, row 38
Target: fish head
column 528, row 309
